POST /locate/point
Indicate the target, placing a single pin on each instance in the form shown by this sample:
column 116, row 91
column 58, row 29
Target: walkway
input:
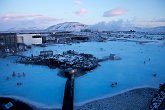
column 68, row 94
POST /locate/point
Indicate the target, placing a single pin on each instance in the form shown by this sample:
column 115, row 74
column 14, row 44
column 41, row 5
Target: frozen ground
column 42, row 85
column 136, row 99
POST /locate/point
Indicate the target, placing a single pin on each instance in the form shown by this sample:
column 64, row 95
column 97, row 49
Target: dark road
column 68, row 94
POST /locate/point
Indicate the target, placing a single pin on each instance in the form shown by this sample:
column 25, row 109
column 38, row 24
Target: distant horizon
column 98, row 26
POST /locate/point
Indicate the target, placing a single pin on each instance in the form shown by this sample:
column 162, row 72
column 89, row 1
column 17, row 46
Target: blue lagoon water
column 42, row 84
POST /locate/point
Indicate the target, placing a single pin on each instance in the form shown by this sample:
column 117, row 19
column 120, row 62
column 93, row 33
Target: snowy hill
column 25, row 30
column 67, row 26
column 102, row 26
column 155, row 29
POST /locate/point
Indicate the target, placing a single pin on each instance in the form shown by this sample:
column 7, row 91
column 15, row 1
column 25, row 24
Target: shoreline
column 135, row 99
column 115, row 94
column 82, row 105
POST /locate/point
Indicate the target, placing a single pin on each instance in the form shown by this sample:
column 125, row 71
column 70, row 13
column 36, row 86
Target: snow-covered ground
column 44, row 86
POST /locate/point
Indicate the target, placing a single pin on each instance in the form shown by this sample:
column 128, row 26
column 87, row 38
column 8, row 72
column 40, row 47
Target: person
column 149, row 59
column 154, row 74
column 144, row 62
column 19, row 83
column 23, row 74
column 7, row 78
column 112, row 85
column 13, row 74
column 115, row 83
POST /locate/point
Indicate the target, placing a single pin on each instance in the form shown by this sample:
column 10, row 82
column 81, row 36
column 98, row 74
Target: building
column 13, row 42
column 29, row 39
column 8, row 41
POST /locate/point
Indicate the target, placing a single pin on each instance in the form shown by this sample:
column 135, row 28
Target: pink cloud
column 81, row 12
column 26, row 20
column 114, row 12
column 14, row 17
column 19, row 17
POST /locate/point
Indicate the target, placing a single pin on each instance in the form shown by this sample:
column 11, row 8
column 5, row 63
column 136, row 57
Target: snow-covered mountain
column 102, row 26
column 67, row 26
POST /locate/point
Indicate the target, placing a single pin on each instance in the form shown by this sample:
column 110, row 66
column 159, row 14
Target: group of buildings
column 12, row 42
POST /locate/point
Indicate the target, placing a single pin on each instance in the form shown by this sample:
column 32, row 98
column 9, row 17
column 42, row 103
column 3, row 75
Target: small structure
column 65, row 73
column 114, row 57
column 46, row 53
column 8, row 106
column 69, row 72
column 21, row 46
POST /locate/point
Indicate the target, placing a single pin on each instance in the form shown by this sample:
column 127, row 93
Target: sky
column 44, row 13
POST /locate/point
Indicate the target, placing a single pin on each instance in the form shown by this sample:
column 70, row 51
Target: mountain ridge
column 77, row 26
column 67, row 26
